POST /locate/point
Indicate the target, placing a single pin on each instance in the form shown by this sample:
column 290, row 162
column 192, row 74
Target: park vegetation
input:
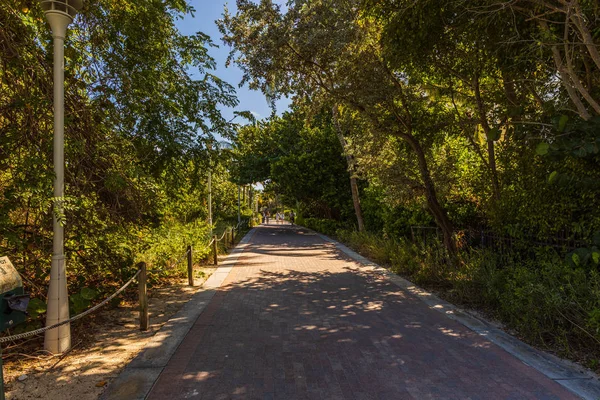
column 455, row 141
column 141, row 133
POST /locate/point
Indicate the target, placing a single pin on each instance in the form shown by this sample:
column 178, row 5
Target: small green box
column 13, row 303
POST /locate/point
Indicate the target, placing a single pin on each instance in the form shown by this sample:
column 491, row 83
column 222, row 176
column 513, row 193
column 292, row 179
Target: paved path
column 297, row 319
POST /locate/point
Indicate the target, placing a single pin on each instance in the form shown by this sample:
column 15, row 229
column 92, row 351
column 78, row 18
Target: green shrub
column 547, row 298
column 325, row 226
column 165, row 245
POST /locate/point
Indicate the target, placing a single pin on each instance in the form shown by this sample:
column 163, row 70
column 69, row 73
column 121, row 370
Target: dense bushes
column 452, row 136
column 546, row 300
column 326, row 226
column 167, row 243
column 137, row 145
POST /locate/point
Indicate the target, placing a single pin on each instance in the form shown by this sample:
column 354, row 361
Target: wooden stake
column 190, row 266
column 143, row 294
column 215, row 250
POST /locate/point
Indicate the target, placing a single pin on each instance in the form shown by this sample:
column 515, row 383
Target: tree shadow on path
column 324, row 328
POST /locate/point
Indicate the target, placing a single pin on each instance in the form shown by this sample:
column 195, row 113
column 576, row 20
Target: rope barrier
column 75, row 318
column 104, row 302
column 108, row 299
column 180, row 258
column 222, row 236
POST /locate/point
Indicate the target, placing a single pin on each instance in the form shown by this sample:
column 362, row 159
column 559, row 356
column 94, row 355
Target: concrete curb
column 572, row 376
column 139, row 376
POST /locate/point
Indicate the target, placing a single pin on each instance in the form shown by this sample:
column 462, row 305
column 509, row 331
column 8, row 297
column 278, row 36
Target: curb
column 138, row 377
column 572, row 376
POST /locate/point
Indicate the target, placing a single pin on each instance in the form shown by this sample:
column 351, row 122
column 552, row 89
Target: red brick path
column 296, row 319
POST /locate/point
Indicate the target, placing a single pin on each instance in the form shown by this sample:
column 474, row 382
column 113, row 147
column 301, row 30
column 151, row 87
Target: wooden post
column 232, row 237
column 143, row 293
column 190, row 266
column 216, row 260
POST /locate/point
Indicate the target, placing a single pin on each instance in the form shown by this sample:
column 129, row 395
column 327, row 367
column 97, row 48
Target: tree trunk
column 351, row 169
column 490, row 143
column 586, row 35
column 564, row 75
column 356, row 201
column 438, row 212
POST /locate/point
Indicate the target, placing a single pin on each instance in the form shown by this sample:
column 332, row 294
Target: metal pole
column 214, row 250
column 210, row 201
column 58, row 340
column 239, row 214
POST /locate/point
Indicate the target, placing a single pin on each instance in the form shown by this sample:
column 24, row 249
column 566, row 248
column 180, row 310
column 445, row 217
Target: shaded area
column 104, row 343
column 310, row 324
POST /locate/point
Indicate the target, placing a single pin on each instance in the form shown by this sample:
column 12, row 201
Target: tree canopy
column 140, row 131
column 457, row 103
column 475, row 119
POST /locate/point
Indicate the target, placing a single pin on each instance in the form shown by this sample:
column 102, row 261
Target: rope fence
column 75, row 318
column 141, row 273
column 222, row 236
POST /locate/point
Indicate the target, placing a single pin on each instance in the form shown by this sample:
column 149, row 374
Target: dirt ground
column 102, row 345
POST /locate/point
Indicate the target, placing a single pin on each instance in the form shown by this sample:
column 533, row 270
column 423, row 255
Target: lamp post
column 210, row 200
column 239, row 213
column 60, row 14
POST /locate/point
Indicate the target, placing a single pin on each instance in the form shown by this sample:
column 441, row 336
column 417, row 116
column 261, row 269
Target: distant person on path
column 268, row 214
column 264, row 217
column 292, row 217
column 277, row 217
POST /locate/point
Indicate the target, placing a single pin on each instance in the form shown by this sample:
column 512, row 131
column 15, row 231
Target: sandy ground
column 102, row 345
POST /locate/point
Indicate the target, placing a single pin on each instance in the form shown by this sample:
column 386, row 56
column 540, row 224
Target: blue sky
column 207, row 12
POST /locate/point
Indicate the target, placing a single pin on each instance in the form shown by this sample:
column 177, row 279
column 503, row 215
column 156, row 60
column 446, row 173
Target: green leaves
column 82, row 300
column 584, row 257
column 88, row 294
column 542, row 149
column 562, row 123
column 493, row 134
column 36, row 307
column 300, row 157
column 141, row 102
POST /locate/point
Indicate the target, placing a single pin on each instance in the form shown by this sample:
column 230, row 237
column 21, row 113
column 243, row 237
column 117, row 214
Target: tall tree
column 325, row 48
column 135, row 119
column 299, row 157
column 351, row 169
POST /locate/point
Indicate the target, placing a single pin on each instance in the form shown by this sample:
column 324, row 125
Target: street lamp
column 210, row 221
column 60, row 14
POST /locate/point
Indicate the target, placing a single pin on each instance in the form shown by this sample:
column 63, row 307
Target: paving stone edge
column 572, row 376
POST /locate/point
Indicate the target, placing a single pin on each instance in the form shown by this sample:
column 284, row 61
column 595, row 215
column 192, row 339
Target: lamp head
column 60, row 14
